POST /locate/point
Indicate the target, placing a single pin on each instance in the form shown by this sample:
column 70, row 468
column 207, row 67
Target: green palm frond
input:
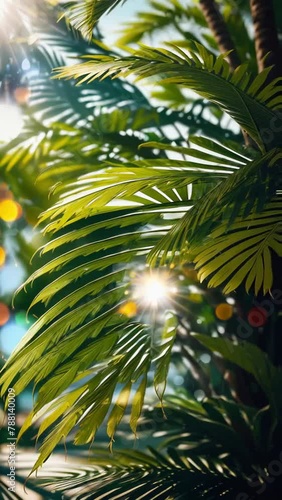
column 83, row 15
column 56, row 152
column 210, row 436
column 157, row 181
column 216, row 439
column 88, row 332
column 59, row 45
column 252, row 105
column 93, row 364
column 91, row 331
column 151, row 188
column 158, row 17
column 223, row 431
column 231, row 232
column 246, row 251
column 134, row 475
column 208, row 430
column 62, row 101
column 240, row 253
column 184, row 22
column 130, row 186
column 91, row 400
column 253, row 245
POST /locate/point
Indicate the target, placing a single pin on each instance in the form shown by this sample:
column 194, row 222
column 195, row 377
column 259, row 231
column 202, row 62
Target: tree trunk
column 268, row 50
column 220, row 31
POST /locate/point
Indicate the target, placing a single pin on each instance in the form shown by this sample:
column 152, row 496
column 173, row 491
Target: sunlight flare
column 153, row 290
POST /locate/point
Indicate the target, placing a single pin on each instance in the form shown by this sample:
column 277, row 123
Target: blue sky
column 111, row 23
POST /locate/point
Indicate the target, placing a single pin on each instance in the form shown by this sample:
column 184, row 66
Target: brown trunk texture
column 220, row 31
column 267, row 45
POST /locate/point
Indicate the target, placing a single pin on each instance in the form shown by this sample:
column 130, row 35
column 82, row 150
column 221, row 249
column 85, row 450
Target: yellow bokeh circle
column 224, row 311
column 129, row 309
column 2, row 256
column 8, row 210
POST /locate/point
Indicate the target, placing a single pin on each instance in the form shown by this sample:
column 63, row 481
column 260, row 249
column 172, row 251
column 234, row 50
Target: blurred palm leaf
column 161, row 16
column 255, row 361
column 135, row 475
column 130, row 474
column 83, row 15
column 248, row 102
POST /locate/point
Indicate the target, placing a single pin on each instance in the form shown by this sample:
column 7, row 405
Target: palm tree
column 216, row 204
column 268, row 50
column 219, row 29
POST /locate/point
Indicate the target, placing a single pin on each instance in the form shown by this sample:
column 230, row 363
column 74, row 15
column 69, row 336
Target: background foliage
column 150, row 172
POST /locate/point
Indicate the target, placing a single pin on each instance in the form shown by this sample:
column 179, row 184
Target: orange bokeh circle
column 4, row 314
column 224, row 311
column 2, row 256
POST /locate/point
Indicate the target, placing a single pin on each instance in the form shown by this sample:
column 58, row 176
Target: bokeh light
column 257, row 317
column 20, row 318
column 9, row 210
column 199, row 395
column 205, row 358
column 4, row 314
column 11, row 334
column 129, row 309
column 178, row 380
column 26, row 65
column 2, row 256
column 12, row 276
column 22, row 95
column 224, row 311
